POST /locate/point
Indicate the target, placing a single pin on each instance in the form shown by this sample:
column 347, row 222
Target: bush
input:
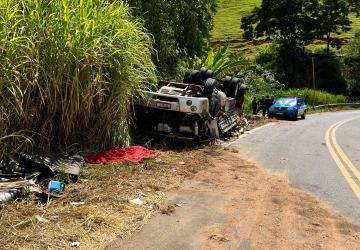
column 293, row 67
column 315, row 97
column 68, row 70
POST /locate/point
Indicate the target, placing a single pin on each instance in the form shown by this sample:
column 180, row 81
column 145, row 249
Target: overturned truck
column 201, row 107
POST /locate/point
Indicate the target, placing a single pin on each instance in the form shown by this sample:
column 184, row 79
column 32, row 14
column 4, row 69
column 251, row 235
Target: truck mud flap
column 214, row 129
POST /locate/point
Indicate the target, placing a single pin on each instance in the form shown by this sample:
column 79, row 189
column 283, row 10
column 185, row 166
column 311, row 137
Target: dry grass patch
column 106, row 213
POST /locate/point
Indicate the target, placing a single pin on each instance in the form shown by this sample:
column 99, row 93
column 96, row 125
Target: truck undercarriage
column 199, row 108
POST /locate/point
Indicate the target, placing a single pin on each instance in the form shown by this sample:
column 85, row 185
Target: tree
column 333, row 17
column 292, row 21
column 355, row 7
column 351, row 66
column 180, row 28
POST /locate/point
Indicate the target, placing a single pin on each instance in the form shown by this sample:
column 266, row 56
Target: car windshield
column 286, row 101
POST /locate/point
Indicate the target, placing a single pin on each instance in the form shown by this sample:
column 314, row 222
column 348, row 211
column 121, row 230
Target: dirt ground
column 231, row 204
column 238, row 205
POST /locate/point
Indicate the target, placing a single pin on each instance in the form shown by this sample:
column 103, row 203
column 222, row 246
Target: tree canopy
column 180, row 28
column 333, row 18
column 299, row 21
column 290, row 20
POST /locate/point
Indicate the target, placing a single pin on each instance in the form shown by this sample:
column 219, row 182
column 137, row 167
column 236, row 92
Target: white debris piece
column 41, row 219
column 75, row 244
column 7, row 195
column 76, row 204
column 136, row 201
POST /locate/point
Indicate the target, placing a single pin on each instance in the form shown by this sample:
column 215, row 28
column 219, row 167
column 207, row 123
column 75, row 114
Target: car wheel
column 303, row 116
column 296, row 116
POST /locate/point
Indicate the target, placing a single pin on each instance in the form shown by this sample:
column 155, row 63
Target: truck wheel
column 209, row 87
column 231, row 86
column 206, row 74
column 241, row 92
column 193, row 77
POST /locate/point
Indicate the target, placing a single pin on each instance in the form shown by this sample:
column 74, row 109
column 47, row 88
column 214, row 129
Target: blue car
column 289, row 107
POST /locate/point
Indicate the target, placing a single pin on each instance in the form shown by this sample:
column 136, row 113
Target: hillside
column 230, row 12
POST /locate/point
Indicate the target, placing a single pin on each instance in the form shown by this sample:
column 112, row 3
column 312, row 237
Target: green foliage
column 288, row 62
column 333, row 17
column 68, row 69
column 293, row 67
column 222, row 61
column 260, row 81
column 315, row 97
column 298, row 22
column 227, row 23
column 292, row 21
column 181, row 29
column 351, row 66
column 355, row 7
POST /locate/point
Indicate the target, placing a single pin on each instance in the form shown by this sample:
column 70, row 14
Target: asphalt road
column 320, row 154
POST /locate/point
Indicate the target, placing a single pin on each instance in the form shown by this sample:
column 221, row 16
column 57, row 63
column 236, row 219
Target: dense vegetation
column 180, row 28
column 230, row 12
column 68, row 71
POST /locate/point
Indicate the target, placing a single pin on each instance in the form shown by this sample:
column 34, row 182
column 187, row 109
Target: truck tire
column 209, row 88
column 193, row 77
column 231, row 86
column 206, row 74
column 241, row 92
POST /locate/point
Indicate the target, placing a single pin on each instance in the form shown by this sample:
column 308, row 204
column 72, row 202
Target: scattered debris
column 284, row 159
column 24, row 170
column 180, row 204
column 136, row 201
column 233, row 150
column 75, row 244
column 141, row 194
column 7, row 195
column 56, row 186
column 23, row 224
column 158, row 160
column 169, row 210
column 76, row 204
column 49, row 163
column 9, row 188
column 41, row 219
column 218, row 238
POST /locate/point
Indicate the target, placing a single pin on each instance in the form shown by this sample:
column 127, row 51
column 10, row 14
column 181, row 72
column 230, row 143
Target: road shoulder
column 238, row 204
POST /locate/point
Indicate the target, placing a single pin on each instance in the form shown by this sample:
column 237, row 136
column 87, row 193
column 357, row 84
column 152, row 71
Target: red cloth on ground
column 116, row 155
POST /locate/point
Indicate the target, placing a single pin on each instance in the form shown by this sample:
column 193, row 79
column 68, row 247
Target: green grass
column 228, row 20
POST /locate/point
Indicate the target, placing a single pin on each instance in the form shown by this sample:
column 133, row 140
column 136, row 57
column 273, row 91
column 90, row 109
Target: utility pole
column 313, row 70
